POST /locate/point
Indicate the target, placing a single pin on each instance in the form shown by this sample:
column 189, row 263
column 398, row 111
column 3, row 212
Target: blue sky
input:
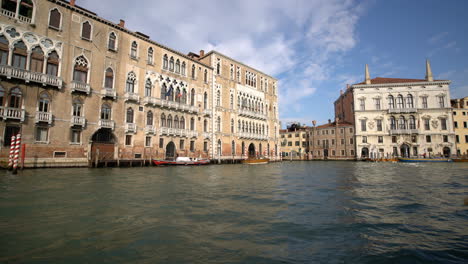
column 314, row 48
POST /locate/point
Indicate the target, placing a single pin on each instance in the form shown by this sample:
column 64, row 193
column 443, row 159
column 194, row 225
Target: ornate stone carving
column 435, row 123
column 371, row 125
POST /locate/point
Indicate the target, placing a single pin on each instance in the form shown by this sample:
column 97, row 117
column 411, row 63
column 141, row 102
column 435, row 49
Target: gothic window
column 86, row 30
column 218, row 67
column 192, row 124
column 183, row 68
column 232, row 101
column 178, row 95
column 52, row 64
column 192, row 97
column 163, row 91
column 111, row 43
column 233, row 148
column 170, row 94
column 129, row 115
column 148, row 87
column 105, row 112
column 205, row 100
column 231, row 72
column 37, row 60
column 171, row 64
column 26, row 8
column 165, row 62
column 182, row 122
column 238, row 74
column 169, row 121
column 149, row 118
column 218, row 124
column 218, row 98
column 412, row 122
column 205, row 76
column 20, row 54
column 239, row 126
column 150, row 55
column 163, row 120
column 130, row 84
column 4, row 50
column 401, row 123
column 77, row 107
column 44, row 103
column 205, row 125
column 176, row 122
column 80, row 71
column 177, row 66
column 232, row 125
column 409, row 101
column 193, row 71
column 109, row 79
column 400, row 101
column 134, row 50
column 55, row 18
column 184, row 96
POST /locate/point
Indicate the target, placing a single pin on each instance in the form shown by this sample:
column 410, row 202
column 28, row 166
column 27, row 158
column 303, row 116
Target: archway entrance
column 103, row 145
column 252, row 153
column 405, row 151
column 446, row 151
column 364, row 153
column 325, row 153
column 170, row 151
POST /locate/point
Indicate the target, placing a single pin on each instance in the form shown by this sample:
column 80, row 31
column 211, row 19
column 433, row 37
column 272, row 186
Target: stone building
column 460, row 124
column 294, row 143
column 402, row 117
column 79, row 87
column 332, row 141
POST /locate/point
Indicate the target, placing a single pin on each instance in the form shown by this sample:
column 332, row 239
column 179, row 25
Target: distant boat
column 182, row 161
column 254, row 161
column 460, row 160
column 424, row 160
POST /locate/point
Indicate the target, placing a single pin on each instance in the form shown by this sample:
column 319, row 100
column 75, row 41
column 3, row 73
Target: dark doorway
column 446, row 151
column 364, row 153
column 405, row 151
column 170, row 151
column 103, row 142
column 9, row 132
column 252, row 153
column 325, row 153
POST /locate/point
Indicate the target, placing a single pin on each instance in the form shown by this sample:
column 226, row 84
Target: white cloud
column 437, row 37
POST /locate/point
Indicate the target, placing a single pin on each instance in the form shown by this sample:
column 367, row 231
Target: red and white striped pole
column 17, row 150
column 12, row 152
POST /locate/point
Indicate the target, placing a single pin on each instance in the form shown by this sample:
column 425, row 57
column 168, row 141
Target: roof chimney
column 429, row 77
column 72, row 2
column 368, row 81
column 202, row 53
column 329, row 121
column 122, row 23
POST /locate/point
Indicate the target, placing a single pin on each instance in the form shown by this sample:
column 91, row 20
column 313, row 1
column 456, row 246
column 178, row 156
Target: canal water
column 290, row 212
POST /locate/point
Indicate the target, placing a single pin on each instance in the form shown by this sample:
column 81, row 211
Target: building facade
column 332, row 141
column 294, row 143
column 403, row 117
column 460, row 123
column 79, row 88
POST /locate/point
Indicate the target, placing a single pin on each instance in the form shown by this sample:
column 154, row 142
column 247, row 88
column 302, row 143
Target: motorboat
column 253, row 161
column 424, row 160
column 182, row 161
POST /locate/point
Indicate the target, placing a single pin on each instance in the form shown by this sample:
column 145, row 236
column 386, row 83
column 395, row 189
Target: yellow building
column 460, row 123
column 294, row 143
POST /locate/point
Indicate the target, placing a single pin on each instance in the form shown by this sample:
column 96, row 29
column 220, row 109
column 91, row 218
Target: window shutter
column 86, row 31
column 54, row 20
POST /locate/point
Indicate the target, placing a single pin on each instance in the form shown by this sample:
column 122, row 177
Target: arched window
column 243, row 148
column 182, row 122
column 170, row 94
column 205, row 125
column 409, row 101
column 243, row 126
column 178, row 95
column 233, row 148
column 4, row 50
column 184, row 96
column 401, row 123
column 55, row 19
column 400, row 103
column 37, row 60
column 148, row 87
column 163, row 91
column 15, row 98
column 392, row 123
column 77, row 107
column 80, row 71
column 20, row 54
column 109, row 79
column 232, row 101
column 183, row 68
column 177, row 66
column 52, row 64
column 163, row 120
column 391, row 102
column 232, row 125
column 192, row 123
column 86, row 30
column 176, row 122
column 134, row 50
column 218, row 67
column 130, row 84
column 205, row 100
column 205, row 76
column 129, row 115
column 193, row 71
column 218, row 98
column 165, row 62
column 218, row 124
column 105, row 112
column 192, row 97
column 171, row 64
column 150, row 55
column 169, row 121
column 412, row 122
column 238, row 126
column 44, row 103
column 149, row 118
column 112, row 42
column 26, row 9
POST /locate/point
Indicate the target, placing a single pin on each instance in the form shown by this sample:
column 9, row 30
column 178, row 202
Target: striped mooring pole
column 12, row 152
column 17, row 150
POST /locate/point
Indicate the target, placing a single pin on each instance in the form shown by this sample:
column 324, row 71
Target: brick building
column 332, row 141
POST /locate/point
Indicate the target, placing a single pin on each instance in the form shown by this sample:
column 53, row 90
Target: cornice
column 390, row 85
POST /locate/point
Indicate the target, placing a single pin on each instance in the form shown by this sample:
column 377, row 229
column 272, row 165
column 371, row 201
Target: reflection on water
column 291, row 212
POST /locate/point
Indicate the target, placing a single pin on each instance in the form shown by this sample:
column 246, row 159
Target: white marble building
column 403, row 117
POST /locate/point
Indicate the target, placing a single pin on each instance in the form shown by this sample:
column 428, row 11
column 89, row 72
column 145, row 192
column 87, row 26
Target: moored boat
column 182, row 161
column 253, row 161
column 460, row 160
column 424, row 160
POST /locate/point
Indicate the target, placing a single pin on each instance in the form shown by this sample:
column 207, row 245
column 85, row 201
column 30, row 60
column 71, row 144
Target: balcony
column 247, row 135
column 11, row 14
column 103, row 123
column 150, row 129
column 402, row 110
column 109, row 92
column 192, row 134
column 44, row 117
column 28, row 76
column 170, row 104
column 251, row 114
column 179, row 132
column 152, row 101
column 77, row 86
column 131, row 97
column 207, row 112
column 12, row 113
column 78, row 121
column 403, row 131
column 130, row 128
